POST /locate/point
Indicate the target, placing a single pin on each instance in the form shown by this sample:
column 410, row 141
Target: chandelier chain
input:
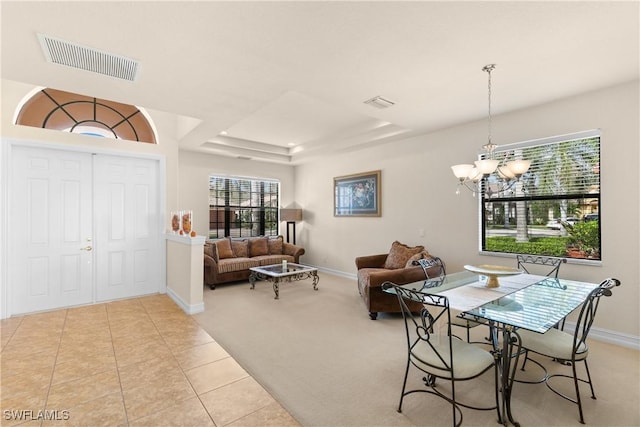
column 489, row 102
column 488, row 175
column 490, row 146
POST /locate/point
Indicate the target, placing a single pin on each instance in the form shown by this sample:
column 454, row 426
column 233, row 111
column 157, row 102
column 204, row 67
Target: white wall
column 418, row 192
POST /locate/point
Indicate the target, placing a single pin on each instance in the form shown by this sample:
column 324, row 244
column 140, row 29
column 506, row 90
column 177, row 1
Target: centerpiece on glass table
column 492, row 272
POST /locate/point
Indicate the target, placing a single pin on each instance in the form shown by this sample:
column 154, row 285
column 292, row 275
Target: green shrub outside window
column 554, row 209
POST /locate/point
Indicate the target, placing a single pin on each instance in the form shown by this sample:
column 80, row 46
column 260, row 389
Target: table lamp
column 291, row 216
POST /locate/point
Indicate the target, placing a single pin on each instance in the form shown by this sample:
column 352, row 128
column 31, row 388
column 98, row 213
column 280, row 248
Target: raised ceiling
column 286, row 81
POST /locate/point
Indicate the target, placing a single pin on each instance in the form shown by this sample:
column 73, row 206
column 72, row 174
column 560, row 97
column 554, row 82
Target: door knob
column 86, row 248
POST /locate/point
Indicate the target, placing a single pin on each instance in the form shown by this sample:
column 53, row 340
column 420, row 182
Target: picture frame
column 357, row 195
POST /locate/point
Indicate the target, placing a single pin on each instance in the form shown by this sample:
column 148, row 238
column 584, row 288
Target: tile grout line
column 232, row 382
column 55, row 362
column 113, row 349
column 177, row 362
column 4, row 347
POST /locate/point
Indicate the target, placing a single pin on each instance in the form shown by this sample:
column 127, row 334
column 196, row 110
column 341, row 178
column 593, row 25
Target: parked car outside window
column 592, row 217
column 556, row 224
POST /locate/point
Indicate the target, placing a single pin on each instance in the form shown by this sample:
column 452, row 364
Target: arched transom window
column 70, row 112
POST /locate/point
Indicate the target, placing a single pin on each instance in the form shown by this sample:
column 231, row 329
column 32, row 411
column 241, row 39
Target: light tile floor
column 135, row 362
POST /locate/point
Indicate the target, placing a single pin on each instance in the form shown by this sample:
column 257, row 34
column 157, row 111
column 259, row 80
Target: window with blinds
column 242, row 207
column 555, row 208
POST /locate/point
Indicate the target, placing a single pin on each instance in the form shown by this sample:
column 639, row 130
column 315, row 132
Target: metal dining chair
column 434, row 351
column 544, row 265
column 563, row 346
column 433, row 268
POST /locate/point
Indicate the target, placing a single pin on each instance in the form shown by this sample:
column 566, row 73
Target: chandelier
column 502, row 173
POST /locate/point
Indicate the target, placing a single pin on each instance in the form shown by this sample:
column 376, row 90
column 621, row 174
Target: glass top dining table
column 527, row 301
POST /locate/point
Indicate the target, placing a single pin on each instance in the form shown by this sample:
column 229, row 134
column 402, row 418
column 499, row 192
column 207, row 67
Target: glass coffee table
column 278, row 273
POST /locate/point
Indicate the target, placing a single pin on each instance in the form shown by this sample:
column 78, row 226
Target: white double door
column 83, row 228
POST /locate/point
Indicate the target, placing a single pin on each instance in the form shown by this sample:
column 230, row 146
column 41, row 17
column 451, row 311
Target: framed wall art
column 357, row 194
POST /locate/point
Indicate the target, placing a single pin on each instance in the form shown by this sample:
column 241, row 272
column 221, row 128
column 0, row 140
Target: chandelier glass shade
column 503, row 173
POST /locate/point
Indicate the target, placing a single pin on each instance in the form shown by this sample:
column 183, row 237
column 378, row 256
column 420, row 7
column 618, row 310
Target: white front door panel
column 50, row 229
column 83, row 228
column 127, row 227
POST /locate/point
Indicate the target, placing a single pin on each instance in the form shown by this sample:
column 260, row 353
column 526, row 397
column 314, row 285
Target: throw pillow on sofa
column 240, row 248
column 275, row 245
column 400, row 254
column 209, row 250
column 258, row 246
column 223, row 246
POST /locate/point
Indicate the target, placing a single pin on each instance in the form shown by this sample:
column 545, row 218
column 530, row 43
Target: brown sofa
column 229, row 259
column 399, row 266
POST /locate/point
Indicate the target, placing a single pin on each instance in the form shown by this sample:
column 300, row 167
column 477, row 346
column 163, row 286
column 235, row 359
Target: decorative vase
column 186, row 222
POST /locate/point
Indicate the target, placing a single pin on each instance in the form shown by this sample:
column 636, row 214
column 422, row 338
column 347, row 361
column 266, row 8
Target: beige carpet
column 328, row 364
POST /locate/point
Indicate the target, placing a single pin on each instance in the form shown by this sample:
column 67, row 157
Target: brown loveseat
column 399, row 266
column 229, row 259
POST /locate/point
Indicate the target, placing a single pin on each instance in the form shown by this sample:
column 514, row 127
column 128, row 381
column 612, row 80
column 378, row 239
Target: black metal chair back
column 543, row 265
column 588, row 314
column 432, row 348
column 427, row 324
column 550, row 266
column 433, row 267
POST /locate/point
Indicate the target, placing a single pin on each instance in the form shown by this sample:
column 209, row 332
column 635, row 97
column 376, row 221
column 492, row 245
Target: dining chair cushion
column 553, row 343
column 468, row 359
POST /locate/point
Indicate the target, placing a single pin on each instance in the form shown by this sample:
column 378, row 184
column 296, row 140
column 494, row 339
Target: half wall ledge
column 185, row 266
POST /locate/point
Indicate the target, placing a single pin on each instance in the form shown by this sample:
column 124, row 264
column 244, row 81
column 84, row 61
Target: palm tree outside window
column 555, row 209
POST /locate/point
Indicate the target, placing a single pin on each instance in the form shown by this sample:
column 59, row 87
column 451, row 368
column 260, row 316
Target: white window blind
column 241, row 207
column 567, row 166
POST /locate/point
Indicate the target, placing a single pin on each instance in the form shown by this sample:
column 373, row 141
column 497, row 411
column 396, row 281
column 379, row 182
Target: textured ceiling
column 287, row 81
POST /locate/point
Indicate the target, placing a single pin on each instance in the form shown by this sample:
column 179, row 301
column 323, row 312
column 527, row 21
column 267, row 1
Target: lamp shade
column 519, row 167
column 461, row 171
column 487, row 166
column 290, row 215
column 505, row 173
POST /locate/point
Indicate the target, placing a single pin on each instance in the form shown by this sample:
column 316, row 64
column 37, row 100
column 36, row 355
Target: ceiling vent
column 379, row 102
column 62, row 52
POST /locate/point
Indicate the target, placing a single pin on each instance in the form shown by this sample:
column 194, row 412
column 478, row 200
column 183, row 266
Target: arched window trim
column 74, row 121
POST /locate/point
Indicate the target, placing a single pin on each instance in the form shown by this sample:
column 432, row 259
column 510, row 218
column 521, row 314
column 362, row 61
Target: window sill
column 576, row 261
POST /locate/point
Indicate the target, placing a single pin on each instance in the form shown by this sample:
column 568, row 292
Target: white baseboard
column 338, row 273
column 609, row 337
column 187, row 308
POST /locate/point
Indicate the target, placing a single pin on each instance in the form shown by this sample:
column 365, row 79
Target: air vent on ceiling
column 63, row 52
column 379, row 102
